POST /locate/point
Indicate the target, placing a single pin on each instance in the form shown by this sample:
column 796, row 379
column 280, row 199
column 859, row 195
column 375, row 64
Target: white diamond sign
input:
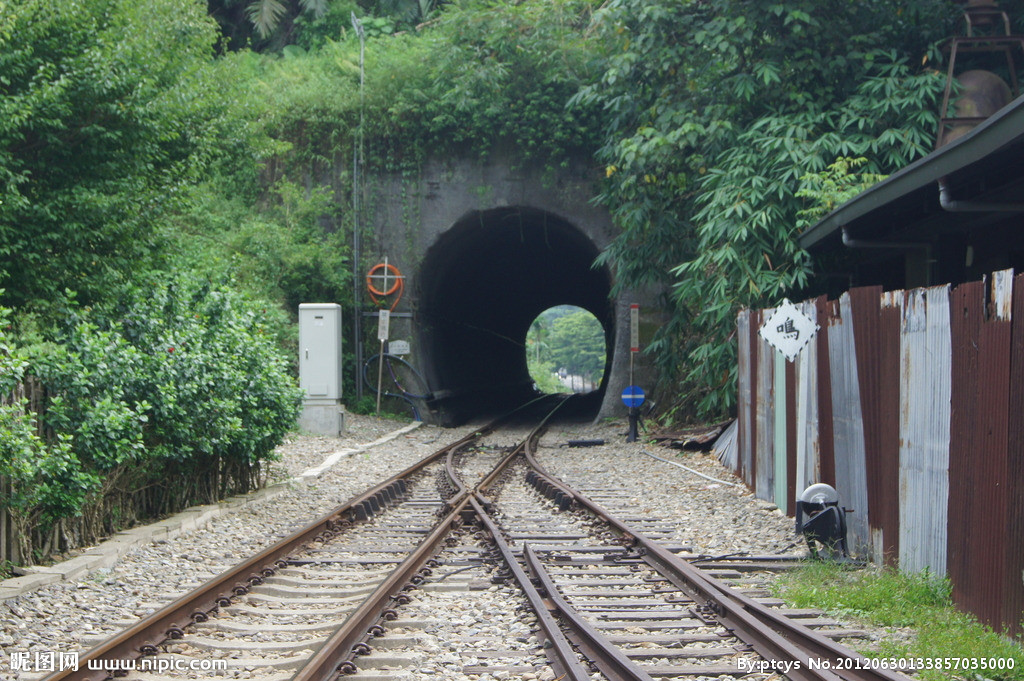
column 788, row 329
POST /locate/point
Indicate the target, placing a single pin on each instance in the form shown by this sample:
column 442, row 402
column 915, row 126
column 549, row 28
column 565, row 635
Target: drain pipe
column 951, row 205
column 910, row 246
column 850, row 242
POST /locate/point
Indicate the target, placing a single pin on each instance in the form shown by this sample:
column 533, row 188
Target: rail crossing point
column 788, row 330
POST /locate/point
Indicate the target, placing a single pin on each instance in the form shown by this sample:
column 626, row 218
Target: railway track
column 476, row 563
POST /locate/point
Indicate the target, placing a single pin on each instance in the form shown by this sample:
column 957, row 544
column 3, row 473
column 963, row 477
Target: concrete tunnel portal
column 480, row 286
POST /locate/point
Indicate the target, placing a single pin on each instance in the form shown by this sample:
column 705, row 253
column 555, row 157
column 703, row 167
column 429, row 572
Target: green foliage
column 528, row 60
column 565, row 338
column 273, row 24
column 714, row 112
column 312, row 31
column 576, row 342
column 474, row 78
column 210, row 376
column 285, row 247
column 182, row 376
column 832, row 187
column 46, row 479
column 918, row 601
column 105, row 114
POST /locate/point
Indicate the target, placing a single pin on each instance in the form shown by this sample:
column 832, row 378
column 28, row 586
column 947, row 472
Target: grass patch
column 921, row 602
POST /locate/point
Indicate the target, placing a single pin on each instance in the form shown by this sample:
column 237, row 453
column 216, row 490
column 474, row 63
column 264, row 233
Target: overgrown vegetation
column 179, row 401
column 148, row 149
column 715, row 112
column 920, row 602
column 135, row 378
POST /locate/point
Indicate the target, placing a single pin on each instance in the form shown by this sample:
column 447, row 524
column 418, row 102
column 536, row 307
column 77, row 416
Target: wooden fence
column 911, row 404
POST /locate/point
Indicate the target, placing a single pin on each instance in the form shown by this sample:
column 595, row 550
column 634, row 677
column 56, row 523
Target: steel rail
column 771, row 634
column 336, row 655
column 172, row 620
column 609, row 658
column 564, row 661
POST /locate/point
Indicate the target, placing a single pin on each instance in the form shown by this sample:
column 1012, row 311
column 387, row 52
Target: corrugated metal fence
column 911, row 404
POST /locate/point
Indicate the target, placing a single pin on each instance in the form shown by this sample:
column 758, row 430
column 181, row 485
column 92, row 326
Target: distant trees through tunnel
column 480, row 288
column 566, row 350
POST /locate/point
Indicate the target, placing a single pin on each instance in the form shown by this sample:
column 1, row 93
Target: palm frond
column 265, row 15
column 317, row 7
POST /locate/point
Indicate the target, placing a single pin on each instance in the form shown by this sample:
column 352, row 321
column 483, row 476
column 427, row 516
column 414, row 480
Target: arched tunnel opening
column 481, row 285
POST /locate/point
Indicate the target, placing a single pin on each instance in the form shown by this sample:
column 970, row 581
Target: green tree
column 576, row 343
column 714, row 111
column 107, row 113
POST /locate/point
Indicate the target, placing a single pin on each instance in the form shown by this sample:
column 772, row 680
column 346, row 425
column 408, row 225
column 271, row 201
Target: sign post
column 788, row 330
column 633, row 396
column 383, row 322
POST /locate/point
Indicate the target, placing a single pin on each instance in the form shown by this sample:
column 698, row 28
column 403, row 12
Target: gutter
column 1003, row 129
column 951, row 205
column 850, row 242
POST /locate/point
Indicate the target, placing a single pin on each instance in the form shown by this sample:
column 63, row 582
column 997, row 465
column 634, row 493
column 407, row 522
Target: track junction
column 599, row 595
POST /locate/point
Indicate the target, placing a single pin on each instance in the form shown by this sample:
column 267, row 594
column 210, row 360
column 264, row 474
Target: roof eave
column 1002, row 129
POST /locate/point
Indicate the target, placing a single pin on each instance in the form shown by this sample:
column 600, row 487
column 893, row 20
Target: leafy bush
column 713, row 113
column 106, row 112
column 175, row 401
column 44, row 482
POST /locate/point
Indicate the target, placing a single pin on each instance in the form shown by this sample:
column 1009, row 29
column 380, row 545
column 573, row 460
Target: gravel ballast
column 715, row 518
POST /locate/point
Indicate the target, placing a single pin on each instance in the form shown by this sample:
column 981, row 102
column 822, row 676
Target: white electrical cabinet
column 320, row 367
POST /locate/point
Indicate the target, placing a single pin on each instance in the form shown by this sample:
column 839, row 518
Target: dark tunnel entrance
column 481, row 285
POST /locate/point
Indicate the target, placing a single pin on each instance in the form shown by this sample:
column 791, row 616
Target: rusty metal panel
column 967, row 311
column 1013, row 573
column 924, row 429
column 826, row 438
column 848, row 427
column 764, row 462
column 744, row 399
column 866, row 305
column 978, row 465
column 887, row 516
column 806, row 468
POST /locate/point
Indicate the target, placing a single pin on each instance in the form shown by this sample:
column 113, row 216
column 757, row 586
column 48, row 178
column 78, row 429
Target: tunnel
column 480, row 286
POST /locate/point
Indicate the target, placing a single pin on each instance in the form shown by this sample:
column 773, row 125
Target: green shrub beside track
column 177, row 402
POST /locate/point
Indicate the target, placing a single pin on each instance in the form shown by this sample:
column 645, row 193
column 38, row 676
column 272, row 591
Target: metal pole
column 634, row 412
column 357, row 325
column 380, row 375
column 357, row 158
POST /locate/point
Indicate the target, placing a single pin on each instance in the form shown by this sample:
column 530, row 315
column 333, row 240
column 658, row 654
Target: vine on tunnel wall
column 705, row 116
column 670, row 96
